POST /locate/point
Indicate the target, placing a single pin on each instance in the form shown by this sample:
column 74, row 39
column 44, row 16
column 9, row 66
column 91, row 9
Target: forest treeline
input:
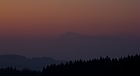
column 9, row 71
column 124, row 66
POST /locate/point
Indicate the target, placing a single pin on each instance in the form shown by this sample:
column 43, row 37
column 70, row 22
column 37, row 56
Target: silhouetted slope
column 126, row 66
column 9, row 71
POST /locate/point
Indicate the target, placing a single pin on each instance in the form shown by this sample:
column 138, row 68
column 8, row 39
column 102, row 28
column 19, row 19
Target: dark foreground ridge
column 123, row 66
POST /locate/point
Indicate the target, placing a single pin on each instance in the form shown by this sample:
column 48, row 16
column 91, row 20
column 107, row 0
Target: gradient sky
column 52, row 18
column 26, row 27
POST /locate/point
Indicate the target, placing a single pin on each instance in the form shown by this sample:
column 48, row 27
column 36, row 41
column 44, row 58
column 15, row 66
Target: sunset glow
column 55, row 17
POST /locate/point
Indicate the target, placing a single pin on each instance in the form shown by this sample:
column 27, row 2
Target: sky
column 52, row 18
column 49, row 19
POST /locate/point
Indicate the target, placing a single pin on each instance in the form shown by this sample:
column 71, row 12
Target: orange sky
column 55, row 17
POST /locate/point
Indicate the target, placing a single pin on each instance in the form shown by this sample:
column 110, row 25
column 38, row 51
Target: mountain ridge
column 71, row 46
column 75, row 46
column 21, row 62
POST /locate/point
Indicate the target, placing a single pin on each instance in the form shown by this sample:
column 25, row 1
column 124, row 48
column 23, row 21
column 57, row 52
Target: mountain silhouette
column 71, row 46
column 76, row 46
column 21, row 62
column 70, row 35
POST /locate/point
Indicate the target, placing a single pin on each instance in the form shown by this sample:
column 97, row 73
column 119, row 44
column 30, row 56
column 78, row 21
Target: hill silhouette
column 103, row 66
column 21, row 62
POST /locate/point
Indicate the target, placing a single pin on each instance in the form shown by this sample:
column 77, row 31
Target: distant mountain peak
column 70, row 34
